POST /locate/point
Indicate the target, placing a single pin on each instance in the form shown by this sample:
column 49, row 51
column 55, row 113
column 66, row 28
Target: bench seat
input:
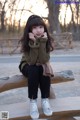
column 18, row 81
column 67, row 107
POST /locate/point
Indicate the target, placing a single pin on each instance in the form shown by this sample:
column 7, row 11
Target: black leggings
column 35, row 77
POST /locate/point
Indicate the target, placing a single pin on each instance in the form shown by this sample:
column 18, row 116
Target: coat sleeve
column 44, row 56
column 23, row 62
column 34, row 44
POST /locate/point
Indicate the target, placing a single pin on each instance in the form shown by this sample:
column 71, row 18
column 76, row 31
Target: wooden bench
column 18, row 81
column 63, row 109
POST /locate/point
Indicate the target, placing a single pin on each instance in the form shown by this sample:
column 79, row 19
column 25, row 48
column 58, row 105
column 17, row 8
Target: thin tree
column 3, row 12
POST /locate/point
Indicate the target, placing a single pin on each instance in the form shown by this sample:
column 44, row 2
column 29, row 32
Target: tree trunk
column 2, row 20
column 53, row 15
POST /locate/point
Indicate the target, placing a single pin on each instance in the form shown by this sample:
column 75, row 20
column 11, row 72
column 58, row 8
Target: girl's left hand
column 44, row 35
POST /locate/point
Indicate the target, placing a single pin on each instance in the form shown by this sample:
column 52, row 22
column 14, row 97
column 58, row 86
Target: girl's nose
column 38, row 29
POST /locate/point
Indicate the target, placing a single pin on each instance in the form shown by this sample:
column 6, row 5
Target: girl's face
column 38, row 30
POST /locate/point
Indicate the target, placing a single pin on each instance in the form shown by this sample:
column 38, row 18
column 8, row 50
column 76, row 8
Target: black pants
column 35, row 77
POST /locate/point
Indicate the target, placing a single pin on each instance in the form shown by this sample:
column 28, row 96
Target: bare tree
column 3, row 15
column 78, row 17
column 12, row 5
column 78, row 23
column 20, row 16
column 53, row 15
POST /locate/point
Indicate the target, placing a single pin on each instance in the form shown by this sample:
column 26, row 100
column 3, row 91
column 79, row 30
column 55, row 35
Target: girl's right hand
column 31, row 36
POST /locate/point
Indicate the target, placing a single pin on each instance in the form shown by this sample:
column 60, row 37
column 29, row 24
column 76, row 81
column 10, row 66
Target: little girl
column 36, row 47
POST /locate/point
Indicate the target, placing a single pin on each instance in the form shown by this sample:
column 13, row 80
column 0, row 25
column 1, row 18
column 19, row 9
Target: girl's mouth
column 38, row 35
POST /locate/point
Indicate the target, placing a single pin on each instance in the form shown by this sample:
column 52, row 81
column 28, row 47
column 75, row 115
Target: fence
column 61, row 41
column 9, row 46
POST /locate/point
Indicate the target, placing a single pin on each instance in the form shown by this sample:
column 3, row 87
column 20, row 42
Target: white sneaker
column 33, row 109
column 46, row 107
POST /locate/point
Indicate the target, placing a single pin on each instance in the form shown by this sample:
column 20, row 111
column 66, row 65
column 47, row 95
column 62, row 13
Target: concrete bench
column 63, row 109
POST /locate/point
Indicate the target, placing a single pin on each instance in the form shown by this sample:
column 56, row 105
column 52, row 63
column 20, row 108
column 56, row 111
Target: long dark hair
column 34, row 20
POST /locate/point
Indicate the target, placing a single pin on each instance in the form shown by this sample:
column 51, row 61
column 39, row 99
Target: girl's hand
column 44, row 35
column 31, row 36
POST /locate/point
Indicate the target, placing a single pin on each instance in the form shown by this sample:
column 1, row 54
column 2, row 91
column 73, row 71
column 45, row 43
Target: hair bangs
column 36, row 22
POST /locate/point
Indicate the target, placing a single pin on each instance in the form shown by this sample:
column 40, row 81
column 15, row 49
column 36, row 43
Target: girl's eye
column 41, row 26
column 34, row 27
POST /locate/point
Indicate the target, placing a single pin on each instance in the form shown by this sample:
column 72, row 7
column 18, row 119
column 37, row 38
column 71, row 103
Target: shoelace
column 47, row 105
column 34, row 107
